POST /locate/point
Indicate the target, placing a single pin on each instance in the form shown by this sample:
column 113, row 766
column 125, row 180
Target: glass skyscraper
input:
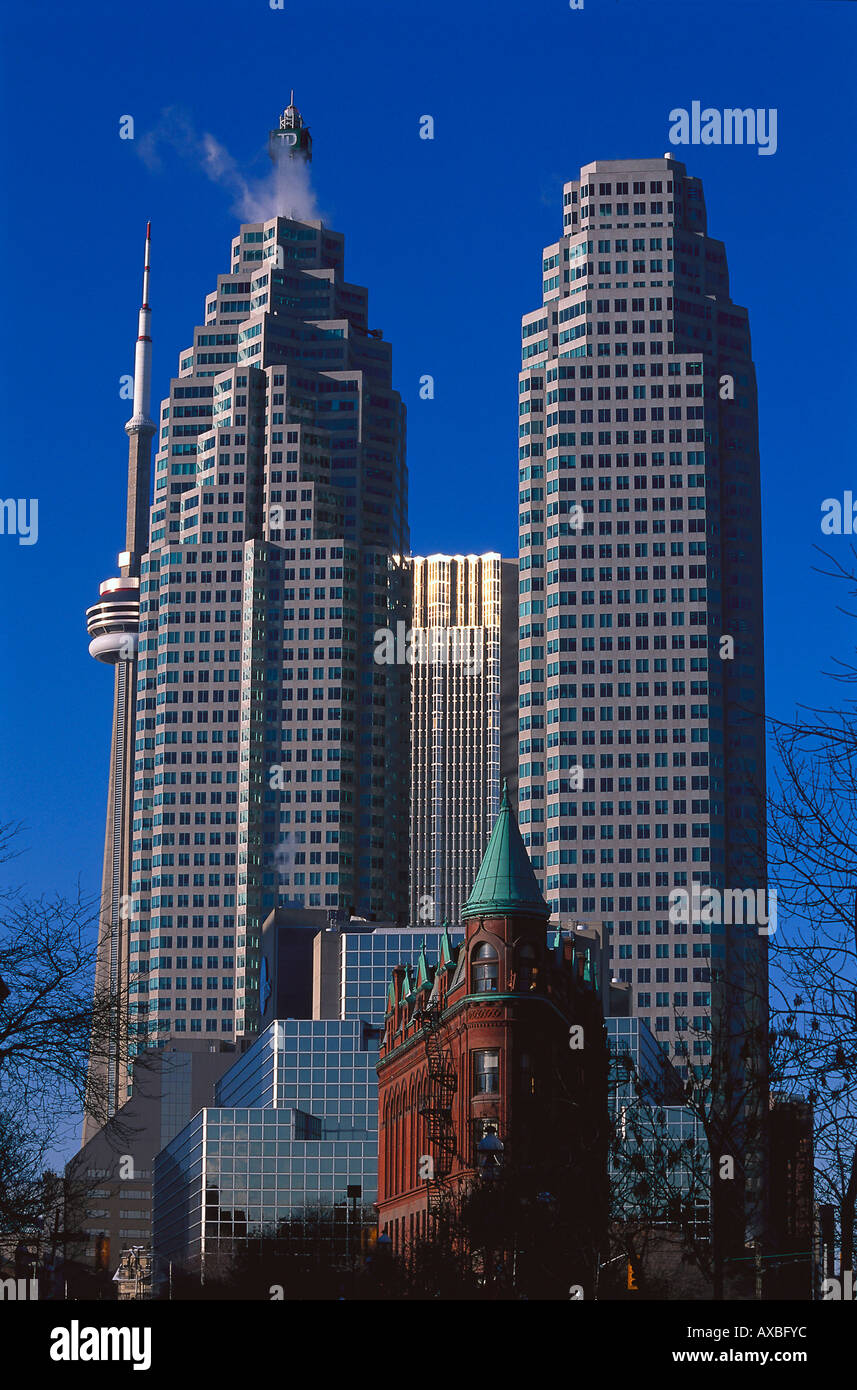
column 641, row 699
column 270, row 749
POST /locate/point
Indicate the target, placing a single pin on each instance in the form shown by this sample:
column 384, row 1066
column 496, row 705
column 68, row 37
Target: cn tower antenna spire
column 143, row 352
column 140, row 429
column 147, row 265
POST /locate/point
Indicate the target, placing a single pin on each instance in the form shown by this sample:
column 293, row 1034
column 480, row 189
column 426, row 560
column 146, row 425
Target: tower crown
column 292, row 138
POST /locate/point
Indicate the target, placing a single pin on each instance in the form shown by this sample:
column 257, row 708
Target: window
column 486, row 1072
column 485, row 970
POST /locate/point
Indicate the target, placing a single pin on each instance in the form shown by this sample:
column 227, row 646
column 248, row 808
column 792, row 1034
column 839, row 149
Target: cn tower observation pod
column 113, row 623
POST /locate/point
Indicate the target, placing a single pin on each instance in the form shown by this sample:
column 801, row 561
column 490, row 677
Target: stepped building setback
column 260, row 755
column 642, row 756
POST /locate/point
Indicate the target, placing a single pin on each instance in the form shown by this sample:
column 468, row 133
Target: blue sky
column 447, row 234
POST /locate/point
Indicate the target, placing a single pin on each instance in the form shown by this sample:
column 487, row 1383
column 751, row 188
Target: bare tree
column 813, row 857
column 660, row 1179
column 689, row 1160
column 52, row 1021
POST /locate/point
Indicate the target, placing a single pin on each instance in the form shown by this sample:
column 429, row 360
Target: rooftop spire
column 143, row 352
column 147, row 265
column 139, row 430
column 506, row 881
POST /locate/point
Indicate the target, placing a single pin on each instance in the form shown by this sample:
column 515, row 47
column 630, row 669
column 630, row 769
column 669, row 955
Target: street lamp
column 353, row 1192
column 489, row 1155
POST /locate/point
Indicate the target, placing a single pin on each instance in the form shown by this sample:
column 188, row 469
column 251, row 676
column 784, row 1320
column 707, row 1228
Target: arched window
column 485, row 971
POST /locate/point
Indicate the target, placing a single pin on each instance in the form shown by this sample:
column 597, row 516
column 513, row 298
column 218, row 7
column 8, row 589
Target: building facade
column 502, row 1040
column 109, row 1181
column 291, row 1131
column 463, row 721
column 646, row 1096
column 133, row 1278
column 794, row 1262
column 270, row 763
column 293, row 1126
column 642, row 765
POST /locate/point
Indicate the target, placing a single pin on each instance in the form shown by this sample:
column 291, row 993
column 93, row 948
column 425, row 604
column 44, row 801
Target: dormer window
column 485, row 970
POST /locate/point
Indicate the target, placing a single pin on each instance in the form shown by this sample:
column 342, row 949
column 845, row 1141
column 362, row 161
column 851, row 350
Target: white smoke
column 286, row 191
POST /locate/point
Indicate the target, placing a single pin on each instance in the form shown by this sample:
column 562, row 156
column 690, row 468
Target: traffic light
column 102, row 1253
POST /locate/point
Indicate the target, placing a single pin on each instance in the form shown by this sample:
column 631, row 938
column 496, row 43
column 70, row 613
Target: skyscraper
column 463, row 721
column 642, row 763
column 270, row 755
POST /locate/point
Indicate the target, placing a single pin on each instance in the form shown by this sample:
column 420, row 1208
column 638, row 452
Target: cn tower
column 113, row 627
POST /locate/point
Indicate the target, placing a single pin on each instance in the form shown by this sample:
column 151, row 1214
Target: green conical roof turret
column 424, row 975
column 505, row 882
column 446, row 956
column 391, row 994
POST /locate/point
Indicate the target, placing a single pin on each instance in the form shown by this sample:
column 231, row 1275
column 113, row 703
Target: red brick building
column 503, row 1037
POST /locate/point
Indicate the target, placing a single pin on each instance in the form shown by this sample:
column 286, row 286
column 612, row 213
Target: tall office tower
column 113, row 625
column 271, row 750
column 642, row 764
column 463, row 721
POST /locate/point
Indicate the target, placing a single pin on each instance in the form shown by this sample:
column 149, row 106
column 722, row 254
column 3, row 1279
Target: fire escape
column 437, row 1109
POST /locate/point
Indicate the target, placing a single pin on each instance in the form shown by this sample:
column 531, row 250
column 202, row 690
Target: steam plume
column 285, row 191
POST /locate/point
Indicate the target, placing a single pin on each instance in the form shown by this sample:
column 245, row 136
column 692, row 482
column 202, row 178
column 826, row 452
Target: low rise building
column 495, row 1057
